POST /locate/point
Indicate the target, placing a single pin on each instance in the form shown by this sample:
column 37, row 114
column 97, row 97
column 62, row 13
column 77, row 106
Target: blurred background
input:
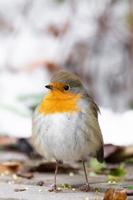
column 92, row 38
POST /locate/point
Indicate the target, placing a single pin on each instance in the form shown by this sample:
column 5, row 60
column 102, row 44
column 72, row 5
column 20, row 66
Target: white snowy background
column 93, row 38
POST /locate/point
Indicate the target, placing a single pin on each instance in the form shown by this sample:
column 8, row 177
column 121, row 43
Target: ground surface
column 13, row 187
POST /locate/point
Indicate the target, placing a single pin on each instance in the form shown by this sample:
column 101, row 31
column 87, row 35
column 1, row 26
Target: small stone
column 86, row 198
column 109, row 182
column 15, row 177
column 114, row 182
column 73, row 189
column 71, row 174
column 10, row 182
column 2, row 174
column 59, row 189
column 40, row 183
column 20, row 190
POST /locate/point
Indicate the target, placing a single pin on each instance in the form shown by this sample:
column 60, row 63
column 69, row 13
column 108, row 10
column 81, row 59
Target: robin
column 65, row 123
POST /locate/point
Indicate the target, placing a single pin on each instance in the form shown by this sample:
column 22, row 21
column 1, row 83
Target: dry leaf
column 112, row 194
column 10, row 167
column 116, row 154
column 109, row 194
column 130, row 192
column 27, row 175
column 120, row 195
column 4, row 141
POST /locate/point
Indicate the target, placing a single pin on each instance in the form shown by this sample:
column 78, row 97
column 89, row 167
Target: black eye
column 66, row 87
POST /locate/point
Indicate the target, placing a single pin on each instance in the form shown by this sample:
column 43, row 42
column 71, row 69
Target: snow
column 15, row 125
column 117, row 128
column 15, row 113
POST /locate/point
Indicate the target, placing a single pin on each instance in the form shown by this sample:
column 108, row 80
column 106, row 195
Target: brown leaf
column 116, row 154
column 10, row 167
column 130, row 192
column 112, row 194
column 4, row 141
column 109, row 194
column 27, row 175
column 120, row 195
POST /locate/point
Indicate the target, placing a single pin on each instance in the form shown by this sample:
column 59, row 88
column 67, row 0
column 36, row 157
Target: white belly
column 60, row 136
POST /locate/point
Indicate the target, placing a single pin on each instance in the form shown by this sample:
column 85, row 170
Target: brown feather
column 93, row 111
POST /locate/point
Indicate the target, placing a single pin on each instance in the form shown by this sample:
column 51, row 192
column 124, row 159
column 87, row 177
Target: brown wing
column 96, row 136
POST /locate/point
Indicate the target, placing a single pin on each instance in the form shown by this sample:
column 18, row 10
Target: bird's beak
column 50, row 87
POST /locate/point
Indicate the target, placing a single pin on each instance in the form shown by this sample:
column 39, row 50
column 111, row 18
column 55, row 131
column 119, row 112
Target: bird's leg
column 85, row 172
column 55, row 175
column 85, row 187
column 54, row 187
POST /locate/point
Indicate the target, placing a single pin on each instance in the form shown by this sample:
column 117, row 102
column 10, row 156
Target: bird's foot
column 54, row 188
column 85, row 188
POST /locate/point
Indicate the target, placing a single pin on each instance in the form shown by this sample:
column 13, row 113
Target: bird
column 65, row 124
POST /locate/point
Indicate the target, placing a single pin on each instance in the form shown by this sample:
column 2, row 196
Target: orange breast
column 59, row 102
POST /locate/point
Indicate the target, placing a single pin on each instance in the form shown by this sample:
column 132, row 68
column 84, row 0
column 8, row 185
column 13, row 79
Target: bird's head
column 65, row 91
column 65, row 83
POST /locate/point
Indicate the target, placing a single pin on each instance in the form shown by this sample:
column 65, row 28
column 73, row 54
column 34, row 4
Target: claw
column 54, row 189
column 85, row 188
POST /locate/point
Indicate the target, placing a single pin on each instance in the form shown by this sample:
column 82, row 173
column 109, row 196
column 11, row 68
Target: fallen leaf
column 10, row 167
column 112, row 194
column 129, row 192
column 27, row 175
column 117, row 154
column 4, row 141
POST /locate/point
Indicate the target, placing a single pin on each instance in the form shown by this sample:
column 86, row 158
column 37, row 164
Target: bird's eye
column 66, row 87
